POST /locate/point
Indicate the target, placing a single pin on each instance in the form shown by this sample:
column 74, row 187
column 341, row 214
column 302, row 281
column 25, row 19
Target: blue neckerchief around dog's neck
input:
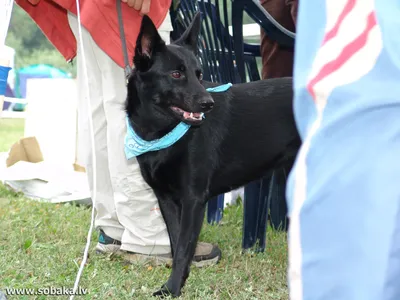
column 135, row 145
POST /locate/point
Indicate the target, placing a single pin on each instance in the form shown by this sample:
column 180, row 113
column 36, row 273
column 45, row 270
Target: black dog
column 247, row 131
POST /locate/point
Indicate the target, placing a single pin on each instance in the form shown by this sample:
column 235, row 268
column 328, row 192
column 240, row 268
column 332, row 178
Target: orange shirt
column 99, row 17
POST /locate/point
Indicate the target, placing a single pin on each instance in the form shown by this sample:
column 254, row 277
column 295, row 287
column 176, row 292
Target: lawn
column 10, row 131
column 41, row 246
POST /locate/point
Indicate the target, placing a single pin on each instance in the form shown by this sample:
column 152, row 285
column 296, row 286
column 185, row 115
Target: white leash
column 85, row 72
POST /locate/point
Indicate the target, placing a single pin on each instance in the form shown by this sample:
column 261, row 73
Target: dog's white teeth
column 191, row 115
column 201, row 115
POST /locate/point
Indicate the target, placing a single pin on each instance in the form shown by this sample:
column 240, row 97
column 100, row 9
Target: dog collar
column 135, row 145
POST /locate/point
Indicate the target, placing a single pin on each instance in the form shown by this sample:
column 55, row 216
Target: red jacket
column 99, row 17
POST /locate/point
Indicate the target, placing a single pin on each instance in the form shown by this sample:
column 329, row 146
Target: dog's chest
column 161, row 170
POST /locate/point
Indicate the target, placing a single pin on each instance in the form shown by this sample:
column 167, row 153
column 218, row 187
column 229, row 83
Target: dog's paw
column 165, row 292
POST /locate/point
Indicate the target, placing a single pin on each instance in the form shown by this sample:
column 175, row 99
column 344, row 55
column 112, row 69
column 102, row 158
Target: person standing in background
column 277, row 61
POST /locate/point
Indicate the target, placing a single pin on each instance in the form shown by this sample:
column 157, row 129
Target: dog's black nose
column 206, row 104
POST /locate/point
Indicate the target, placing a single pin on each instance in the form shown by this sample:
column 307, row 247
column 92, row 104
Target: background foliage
column 32, row 46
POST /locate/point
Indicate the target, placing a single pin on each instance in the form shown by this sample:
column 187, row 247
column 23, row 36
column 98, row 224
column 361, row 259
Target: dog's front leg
column 171, row 211
column 190, row 227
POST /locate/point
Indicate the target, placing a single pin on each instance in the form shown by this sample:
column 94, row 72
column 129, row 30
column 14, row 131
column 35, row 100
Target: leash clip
column 127, row 71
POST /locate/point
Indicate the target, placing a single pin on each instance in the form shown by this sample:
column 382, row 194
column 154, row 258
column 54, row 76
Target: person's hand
column 141, row 5
column 34, row 2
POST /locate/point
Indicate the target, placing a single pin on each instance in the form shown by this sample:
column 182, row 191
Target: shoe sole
column 206, row 262
column 160, row 261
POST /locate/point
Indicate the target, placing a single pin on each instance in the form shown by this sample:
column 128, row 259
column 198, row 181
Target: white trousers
column 126, row 207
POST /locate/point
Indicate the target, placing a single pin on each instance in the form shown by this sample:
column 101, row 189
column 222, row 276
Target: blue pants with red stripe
column 344, row 190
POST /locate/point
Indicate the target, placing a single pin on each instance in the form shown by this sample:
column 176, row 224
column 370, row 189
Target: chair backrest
column 225, row 58
column 215, row 43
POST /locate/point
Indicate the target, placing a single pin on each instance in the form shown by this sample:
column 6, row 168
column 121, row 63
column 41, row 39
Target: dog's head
column 168, row 77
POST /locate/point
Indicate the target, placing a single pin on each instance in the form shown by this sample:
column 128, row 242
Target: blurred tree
column 31, row 45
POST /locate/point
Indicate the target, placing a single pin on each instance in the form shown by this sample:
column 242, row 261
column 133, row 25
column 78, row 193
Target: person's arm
column 141, row 5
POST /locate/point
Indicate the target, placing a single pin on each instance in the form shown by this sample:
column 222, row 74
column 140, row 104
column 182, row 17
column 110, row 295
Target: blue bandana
column 135, row 145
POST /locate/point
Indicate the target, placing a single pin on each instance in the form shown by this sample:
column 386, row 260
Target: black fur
column 250, row 131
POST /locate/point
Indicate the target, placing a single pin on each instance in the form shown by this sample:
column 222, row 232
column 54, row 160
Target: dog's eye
column 176, row 74
column 199, row 75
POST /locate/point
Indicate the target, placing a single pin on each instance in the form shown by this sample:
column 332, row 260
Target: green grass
column 11, row 130
column 41, row 245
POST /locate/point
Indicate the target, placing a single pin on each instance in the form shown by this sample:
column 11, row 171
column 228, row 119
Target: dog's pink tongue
column 196, row 115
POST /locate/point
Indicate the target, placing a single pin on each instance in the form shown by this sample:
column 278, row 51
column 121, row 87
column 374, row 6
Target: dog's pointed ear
column 147, row 43
column 190, row 37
